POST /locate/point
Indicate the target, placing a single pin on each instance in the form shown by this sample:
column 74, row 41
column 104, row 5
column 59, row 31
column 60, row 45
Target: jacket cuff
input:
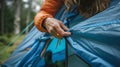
column 38, row 21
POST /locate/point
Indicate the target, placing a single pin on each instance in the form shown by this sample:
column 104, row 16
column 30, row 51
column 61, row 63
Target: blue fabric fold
column 96, row 40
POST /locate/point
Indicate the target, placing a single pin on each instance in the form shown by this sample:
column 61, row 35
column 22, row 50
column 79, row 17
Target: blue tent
column 94, row 42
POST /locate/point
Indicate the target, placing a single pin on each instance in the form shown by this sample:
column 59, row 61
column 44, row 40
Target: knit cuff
column 39, row 22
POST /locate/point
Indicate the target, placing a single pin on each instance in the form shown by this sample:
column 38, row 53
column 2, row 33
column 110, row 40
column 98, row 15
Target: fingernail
column 69, row 33
column 66, row 28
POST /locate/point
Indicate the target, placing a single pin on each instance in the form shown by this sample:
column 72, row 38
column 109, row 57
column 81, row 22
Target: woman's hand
column 56, row 27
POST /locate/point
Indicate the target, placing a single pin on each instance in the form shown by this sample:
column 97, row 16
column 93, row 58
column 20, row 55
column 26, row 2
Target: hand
column 56, row 27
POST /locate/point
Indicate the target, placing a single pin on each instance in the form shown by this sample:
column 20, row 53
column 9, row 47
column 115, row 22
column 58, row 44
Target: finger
column 63, row 26
column 62, row 32
column 56, row 34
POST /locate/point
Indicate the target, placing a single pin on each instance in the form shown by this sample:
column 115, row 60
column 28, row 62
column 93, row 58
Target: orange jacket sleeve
column 48, row 9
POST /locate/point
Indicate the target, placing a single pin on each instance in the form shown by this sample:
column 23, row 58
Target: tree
column 17, row 4
column 6, row 18
column 2, row 16
column 28, row 14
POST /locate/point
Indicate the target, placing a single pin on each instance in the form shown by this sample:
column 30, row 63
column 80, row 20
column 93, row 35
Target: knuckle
column 54, row 26
column 60, row 22
column 62, row 34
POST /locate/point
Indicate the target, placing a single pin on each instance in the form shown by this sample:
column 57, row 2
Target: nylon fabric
column 96, row 40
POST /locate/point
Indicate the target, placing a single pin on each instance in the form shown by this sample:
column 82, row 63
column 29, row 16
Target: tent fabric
column 96, row 40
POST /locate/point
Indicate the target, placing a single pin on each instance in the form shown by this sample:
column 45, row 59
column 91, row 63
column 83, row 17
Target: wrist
column 44, row 22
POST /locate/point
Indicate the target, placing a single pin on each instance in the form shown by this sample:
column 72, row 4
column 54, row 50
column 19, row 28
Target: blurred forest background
column 15, row 15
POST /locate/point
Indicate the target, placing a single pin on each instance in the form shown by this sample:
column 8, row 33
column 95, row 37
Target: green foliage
column 23, row 17
column 5, row 39
column 8, row 17
column 7, row 52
